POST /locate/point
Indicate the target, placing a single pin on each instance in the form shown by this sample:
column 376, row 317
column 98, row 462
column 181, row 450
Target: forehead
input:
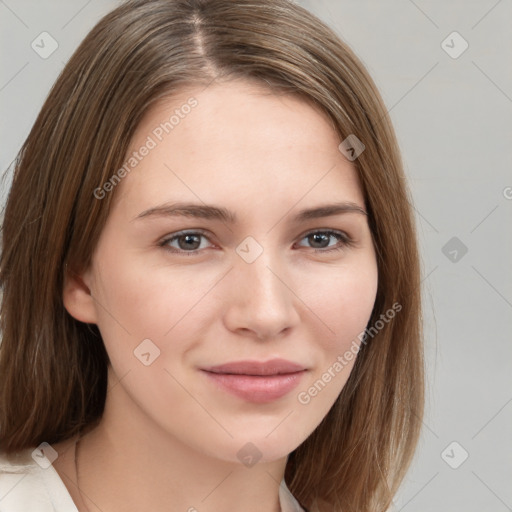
column 236, row 142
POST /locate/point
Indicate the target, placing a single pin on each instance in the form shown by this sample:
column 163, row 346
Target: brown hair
column 53, row 368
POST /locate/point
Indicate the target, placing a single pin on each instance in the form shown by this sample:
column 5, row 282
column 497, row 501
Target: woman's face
column 208, row 258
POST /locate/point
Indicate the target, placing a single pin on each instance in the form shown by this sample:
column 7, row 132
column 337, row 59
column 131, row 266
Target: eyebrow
column 211, row 212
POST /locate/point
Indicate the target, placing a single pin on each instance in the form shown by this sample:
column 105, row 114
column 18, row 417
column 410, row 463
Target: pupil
column 319, row 238
column 189, row 238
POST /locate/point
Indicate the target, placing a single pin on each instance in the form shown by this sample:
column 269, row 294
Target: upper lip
column 271, row 367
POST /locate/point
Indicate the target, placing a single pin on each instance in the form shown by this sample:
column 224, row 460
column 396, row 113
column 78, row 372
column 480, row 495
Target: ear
column 77, row 297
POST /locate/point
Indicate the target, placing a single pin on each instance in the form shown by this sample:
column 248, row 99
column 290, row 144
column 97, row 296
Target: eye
column 320, row 240
column 188, row 242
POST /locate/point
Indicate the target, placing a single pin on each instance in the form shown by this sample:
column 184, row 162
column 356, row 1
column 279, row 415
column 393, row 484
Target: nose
column 262, row 302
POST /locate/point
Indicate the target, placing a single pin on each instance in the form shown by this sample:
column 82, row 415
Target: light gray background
column 453, row 121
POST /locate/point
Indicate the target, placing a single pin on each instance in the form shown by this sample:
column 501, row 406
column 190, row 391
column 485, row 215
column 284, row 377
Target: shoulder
column 28, row 481
column 21, row 485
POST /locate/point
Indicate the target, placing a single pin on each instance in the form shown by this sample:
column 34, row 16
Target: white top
column 27, row 485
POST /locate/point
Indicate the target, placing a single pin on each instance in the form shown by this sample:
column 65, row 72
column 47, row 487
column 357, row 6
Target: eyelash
column 345, row 240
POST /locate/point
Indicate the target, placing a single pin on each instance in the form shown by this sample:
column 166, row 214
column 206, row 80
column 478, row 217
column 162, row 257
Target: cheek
column 343, row 303
column 136, row 302
column 342, row 300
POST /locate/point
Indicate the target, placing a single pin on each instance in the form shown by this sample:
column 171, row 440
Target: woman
column 210, row 275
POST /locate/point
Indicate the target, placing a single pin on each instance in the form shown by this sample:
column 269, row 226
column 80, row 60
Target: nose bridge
column 257, row 271
column 261, row 301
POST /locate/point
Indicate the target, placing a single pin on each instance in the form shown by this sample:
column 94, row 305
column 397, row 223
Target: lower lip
column 254, row 388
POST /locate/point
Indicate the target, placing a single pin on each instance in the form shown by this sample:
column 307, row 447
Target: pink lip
column 257, row 382
column 272, row 367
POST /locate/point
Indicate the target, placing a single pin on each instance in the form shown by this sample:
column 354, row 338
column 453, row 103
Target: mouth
column 257, row 368
column 254, row 381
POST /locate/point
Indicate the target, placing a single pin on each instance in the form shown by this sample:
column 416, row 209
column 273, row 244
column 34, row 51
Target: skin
column 168, row 435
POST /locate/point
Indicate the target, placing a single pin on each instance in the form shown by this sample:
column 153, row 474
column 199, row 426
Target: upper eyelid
column 184, row 232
